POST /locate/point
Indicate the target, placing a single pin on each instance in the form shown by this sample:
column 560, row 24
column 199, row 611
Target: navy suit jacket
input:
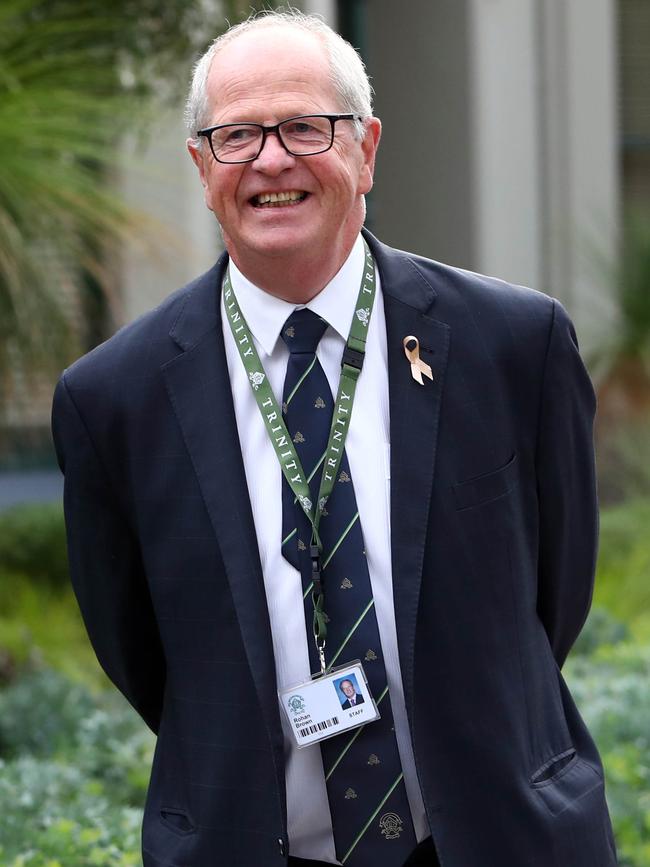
column 493, row 545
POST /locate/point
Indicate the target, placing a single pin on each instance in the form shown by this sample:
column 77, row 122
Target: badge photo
column 328, row 704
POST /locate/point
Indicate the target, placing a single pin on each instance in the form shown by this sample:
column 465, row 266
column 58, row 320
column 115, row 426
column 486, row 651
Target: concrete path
column 30, row 486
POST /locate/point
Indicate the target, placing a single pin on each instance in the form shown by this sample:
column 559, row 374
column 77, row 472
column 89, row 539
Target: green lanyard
column 351, row 364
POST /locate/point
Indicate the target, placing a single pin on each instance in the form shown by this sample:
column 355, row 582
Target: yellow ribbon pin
column 418, row 367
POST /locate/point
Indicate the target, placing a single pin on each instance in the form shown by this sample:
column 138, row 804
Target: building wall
column 179, row 237
column 513, row 167
column 422, row 199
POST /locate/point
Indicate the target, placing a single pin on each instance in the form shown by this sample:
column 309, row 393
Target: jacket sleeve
column 566, row 489
column 106, row 567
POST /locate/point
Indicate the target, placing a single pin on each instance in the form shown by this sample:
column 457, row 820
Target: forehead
column 268, row 73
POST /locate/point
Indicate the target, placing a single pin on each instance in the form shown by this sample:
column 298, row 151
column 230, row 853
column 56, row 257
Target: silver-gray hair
column 349, row 77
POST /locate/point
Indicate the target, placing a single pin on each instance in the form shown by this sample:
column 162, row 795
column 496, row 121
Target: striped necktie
column 370, row 814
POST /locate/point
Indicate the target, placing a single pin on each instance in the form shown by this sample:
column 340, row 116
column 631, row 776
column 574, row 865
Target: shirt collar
column 266, row 314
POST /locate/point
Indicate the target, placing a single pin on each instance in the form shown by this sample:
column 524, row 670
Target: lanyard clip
column 318, row 598
column 314, row 553
column 353, row 361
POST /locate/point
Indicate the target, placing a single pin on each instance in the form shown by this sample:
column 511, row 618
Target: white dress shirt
column 368, row 451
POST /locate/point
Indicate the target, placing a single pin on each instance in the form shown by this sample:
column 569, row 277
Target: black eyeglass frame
column 207, row 133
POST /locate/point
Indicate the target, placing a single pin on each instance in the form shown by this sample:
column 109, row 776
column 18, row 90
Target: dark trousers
column 423, row 856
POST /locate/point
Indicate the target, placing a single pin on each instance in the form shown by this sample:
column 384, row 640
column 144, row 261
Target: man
column 453, row 571
column 352, row 697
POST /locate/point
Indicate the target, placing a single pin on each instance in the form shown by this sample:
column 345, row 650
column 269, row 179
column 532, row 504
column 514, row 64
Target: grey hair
column 349, row 77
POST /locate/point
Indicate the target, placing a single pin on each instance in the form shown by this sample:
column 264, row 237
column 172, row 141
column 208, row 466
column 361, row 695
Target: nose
column 274, row 157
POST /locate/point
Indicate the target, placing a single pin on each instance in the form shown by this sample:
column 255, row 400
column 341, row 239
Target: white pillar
column 177, row 236
column 580, row 180
column 505, row 133
column 545, row 148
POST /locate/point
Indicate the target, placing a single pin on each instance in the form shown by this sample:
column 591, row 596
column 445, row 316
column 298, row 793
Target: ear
column 369, row 146
column 197, row 158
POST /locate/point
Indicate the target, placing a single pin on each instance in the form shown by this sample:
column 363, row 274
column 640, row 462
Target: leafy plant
column 623, row 459
column 32, row 542
column 60, row 113
column 52, row 814
column 634, row 294
column 73, row 775
column 600, row 629
column 74, row 76
column 612, row 689
column 623, row 576
column 622, row 368
column 41, row 714
column 41, row 625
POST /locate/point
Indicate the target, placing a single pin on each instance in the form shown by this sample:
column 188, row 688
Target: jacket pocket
column 564, row 780
column 486, row 487
column 177, row 820
column 554, row 768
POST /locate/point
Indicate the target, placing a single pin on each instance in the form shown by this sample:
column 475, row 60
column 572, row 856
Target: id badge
column 329, row 704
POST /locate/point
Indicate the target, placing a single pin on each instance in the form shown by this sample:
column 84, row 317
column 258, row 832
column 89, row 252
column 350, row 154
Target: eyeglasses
column 301, row 136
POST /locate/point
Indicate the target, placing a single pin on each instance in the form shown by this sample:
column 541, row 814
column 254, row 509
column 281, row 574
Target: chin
column 281, row 243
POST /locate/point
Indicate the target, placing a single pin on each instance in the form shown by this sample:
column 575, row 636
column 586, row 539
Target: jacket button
column 281, row 845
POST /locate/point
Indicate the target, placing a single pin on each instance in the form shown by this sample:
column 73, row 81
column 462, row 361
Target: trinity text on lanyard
column 351, row 365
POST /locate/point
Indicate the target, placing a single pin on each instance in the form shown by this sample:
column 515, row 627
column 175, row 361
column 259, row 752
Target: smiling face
column 281, row 208
column 348, row 688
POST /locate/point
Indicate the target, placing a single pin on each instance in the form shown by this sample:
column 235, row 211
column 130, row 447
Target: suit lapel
column 414, row 418
column 199, row 389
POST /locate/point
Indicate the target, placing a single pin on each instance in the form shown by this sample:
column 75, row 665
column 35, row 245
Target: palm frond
column 62, row 112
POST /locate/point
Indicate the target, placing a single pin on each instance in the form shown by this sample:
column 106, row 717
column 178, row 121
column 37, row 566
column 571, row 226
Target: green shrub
column 612, row 689
column 601, row 628
column 45, row 715
column 41, row 713
column 41, row 625
column 52, row 814
column 114, row 745
column 623, row 576
column 74, row 777
column 32, row 543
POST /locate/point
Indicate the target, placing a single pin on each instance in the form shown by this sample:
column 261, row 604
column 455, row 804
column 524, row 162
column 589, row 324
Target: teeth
column 284, row 196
